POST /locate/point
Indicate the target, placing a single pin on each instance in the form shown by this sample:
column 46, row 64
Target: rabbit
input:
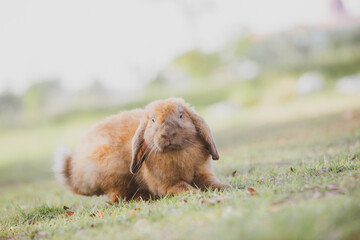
column 164, row 149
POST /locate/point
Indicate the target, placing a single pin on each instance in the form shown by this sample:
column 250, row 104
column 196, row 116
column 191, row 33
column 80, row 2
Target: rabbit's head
column 169, row 125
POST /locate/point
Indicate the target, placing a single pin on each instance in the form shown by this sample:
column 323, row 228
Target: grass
column 293, row 178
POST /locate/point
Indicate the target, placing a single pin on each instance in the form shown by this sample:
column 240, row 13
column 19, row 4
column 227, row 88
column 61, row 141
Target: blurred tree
column 197, row 64
column 10, row 109
column 37, row 95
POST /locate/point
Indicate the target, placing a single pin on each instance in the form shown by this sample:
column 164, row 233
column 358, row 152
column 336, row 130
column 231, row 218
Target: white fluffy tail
column 61, row 167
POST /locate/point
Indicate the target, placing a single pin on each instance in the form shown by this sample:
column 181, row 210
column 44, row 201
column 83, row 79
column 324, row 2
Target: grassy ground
column 293, row 177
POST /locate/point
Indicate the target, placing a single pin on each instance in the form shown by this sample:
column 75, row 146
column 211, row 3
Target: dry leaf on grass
column 251, row 191
column 132, row 213
column 100, row 214
column 234, row 173
column 69, row 213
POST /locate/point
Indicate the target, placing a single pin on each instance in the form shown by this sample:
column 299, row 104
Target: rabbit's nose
column 168, row 134
column 169, row 137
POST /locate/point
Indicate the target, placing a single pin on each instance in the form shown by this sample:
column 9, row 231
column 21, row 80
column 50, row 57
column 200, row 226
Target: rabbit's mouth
column 171, row 147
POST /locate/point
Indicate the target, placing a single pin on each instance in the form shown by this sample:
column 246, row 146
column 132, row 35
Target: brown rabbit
column 162, row 150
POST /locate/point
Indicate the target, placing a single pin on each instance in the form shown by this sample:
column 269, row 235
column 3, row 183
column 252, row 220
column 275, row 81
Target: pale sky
column 124, row 43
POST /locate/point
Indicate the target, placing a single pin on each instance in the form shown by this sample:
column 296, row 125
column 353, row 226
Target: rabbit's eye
column 153, row 119
column 180, row 115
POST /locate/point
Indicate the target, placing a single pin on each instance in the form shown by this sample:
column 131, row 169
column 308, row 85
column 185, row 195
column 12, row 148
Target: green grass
column 305, row 171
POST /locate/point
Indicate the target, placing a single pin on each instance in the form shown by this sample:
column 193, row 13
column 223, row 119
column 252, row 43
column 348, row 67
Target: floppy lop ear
column 138, row 148
column 204, row 131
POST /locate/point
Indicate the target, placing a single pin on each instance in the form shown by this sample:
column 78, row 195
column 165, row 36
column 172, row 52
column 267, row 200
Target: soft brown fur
column 129, row 155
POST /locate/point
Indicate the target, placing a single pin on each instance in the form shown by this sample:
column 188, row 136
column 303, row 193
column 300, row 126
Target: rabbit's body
column 162, row 172
column 158, row 165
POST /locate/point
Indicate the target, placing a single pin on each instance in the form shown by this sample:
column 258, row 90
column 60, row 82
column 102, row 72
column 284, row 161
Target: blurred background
column 67, row 64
